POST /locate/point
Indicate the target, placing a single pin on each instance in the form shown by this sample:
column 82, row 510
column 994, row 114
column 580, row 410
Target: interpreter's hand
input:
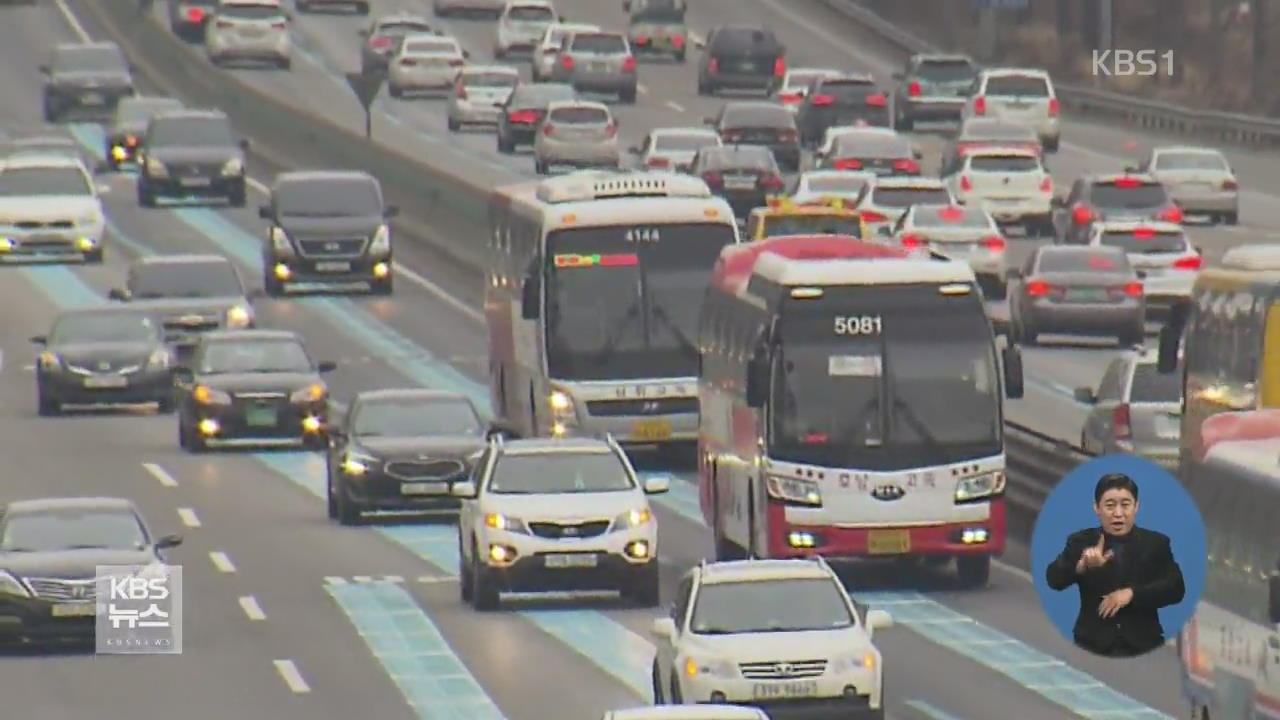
column 1094, row 556
column 1114, row 602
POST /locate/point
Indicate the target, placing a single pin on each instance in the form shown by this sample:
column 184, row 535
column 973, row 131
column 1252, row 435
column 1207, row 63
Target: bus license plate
column 651, row 429
column 888, row 542
column 260, row 416
column 424, row 488
column 75, row 610
column 575, row 560
column 765, row 691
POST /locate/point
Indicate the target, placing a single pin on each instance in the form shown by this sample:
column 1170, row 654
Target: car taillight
column 713, row 66
column 1172, row 214
column 1192, row 262
column 1081, row 215
column 872, row 216
column 548, row 129
column 965, row 183
column 780, row 67
column 1133, row 289
column 629, row 64
column 1054, row 107
column 523, row 117
column 282, row 25
column 980, row 105
column 823, row 100
column 847, row 164
column 914, row 89
column 1230, row 185
column 771, row 181
column 913, row 241
column 907, row 165
column 1038, row 288
column 790, row 98
column 131, row 141
column 224, row 24
column 380, row 42
column 677, row 41
column 713, row 178
column 658, row 162
column 195, row 14
column 408, row 62
column 1120, row 422
column 993, row 243
column 611, row 129
column 877, row 100
column 641, row 40
column 1046, row 185
column 461, row 92
column 457, row 62
column 566, row 62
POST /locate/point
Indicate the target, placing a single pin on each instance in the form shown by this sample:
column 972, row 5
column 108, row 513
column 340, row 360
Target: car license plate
column 333, row 267
column 107, row 381
column 651, row 429
column 599, row 67
column 571, row 560
column 195, row 181
column 1086, row 295
column 87, row 609
column 739, row 182
column 888, row 542
column 92, row 98
column 794, row 689
column 260, row 416
column 747, row 66
column 1168, row 426
column 424, row 488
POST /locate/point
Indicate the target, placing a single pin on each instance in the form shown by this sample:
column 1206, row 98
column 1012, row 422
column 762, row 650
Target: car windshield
column 1190, row 161
column 553, row 473
column 402, row 28
column 102, row 327
column 431, row 47
column 901, row 197
column 997, row 131
column 1074, row 261
column 1145, row 241
column 835, row 223
column 951, row 216
column 73, row 530
column 346, row 197
column 1017, row 86
column 797, row 605
column 1128, row 196
column 684, row 143
column 601, row 43
column 531, row 13
column 872, row 147
column 1003, row 163
column 25, row 181
column 137, row 111
column 490, row 79
column 413, row 417
column 244, row 11
column 579, row 116
column 946, row 71
column 248, row 356
column 190, row 132
column 1152, row 386
column 89, row 59
column 194, row 280
column 843, row 184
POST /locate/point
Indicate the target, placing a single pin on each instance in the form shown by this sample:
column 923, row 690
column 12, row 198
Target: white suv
column 1011, row 183
column 521, row 26
column 1018, row 95
column 253, row 30
column 557, row 514
column 769, row 633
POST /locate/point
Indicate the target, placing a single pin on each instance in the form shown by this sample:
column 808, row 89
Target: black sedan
column 744, row 175
column 49, row 552
column 191, row 154
column 401, row 450
column 85, row 80
column 760, row 123
column 838, row 101
column 252, row 387
column 103, row 355
column 129, row 123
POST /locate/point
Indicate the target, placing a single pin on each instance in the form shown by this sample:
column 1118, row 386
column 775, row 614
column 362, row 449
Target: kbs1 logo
column 1131, row 63
column 139, row 609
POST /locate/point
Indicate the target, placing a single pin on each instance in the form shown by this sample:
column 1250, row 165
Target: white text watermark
column 1129, row 63
column 139, row 609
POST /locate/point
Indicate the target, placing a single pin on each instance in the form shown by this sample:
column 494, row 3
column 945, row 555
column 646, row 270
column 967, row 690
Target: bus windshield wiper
column 681, row 337
column 606, row 351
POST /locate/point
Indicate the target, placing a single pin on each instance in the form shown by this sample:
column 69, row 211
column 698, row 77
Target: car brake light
column 771, row 181
column 1054, row 107
column 380, row 42
column 965, row 183
column 980, row 105
column 1133, row 289
column 1038, row 288
column 548, row 129
column 914, row 89
column 713, row 178
column 877, row 100
column 195, row 14
column 1144, row 233
column 790, row 98
column 913, row 241
column 658, row 162
column 641, row 40
column 408, row 62
column 993, row 243
column 873, row 216
column 224, row 24
column 677, row 41
column 713, row 66
column 629, row 64
column 523, row 117
column 1128, row 182
column 906, row 165
column 131, row 141
column 1120, row 421
column 1046, row 185
column 282, row 25
column 1191, row 262
column 1230, row 185
column 823, row 100
column 1172, row 214
column 1081, row 215
column 611, row 129
column 780, row 67
column 566, row 62
column 847, row 164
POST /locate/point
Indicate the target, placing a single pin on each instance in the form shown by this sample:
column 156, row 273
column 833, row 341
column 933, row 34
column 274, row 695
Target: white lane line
column 188, row 517
column 1, row 360
column 222, row 562
column 433, row 579
column 642, row 89
column 29, row 368
column 440, row 293
column 1014, row 571
column 160, row 474
column 72, row 21
column 292, row 676
column 675, row 106
column 251, row 608
column 333, row 580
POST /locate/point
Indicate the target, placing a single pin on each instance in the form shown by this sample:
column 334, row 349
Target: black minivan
column 741, row 58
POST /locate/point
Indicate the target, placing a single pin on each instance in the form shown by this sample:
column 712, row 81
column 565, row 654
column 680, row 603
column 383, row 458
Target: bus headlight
column 381, row 244
column 794, row 490
column 977, row 487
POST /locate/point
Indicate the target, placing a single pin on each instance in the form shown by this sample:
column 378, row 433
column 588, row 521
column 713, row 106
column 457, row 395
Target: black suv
column 741, row 58
column 520, row 116
column 85, row 79
column 843, row 100
column 190, row 153
column 328, row 227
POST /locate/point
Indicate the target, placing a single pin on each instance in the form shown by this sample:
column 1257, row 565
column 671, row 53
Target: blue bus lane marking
column 1033, row 669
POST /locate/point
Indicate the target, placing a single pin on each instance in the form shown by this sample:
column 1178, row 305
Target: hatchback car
column 521, row 25
column 760, row 123
column 599, row 62
column 1018, row 95
column 49, row 211
column 522, row 113
column 658, row 27
column 1135, row 410
column 1200, row 180
column 796, row 83
column 478, row 94
column 816, row 185
column 128, row 125
column 884, row 201
column 1162, row 255
column 740, row 57
column 542, row 60
column 932, row 88
column 961, row 233
column 383, row 35
column 1065, row 290
column 674, row 148
column 191, row 153
column 252, row 30
column 424, row 63
column 839, row 101
column 1009, row 183
column 744, row 175
column 85, row 80
column 881, row 153
column 577, row 133
column 1111, row 197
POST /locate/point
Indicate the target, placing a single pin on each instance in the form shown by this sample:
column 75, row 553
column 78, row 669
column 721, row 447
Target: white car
column 1011, row 183
column 1018, row 95
column 796, row 82
column 49, row 211
column 883, row 201
column 429, row 63
column 551, row 514
column 760, row 632
column 674, row 148
column 479, row 94
column 820, row 185
column 543, row 59
column 1162, row 255
column 961, row 232
column 521, row 26
column 1200, row 180
column 253, row 30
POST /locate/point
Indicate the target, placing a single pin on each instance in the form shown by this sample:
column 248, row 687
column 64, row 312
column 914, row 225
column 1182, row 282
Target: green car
column 657, row 27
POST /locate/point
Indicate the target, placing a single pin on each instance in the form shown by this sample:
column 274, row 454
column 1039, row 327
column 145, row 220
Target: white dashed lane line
column 189, row 517
column 251, row 608
column 292, row 676
column 160, row 474
column 222, row 562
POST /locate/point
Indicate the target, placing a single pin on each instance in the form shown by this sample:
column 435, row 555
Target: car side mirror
column 44, row 69
column 757, row 381
column 264, row 212
column 529, row 309
column 1085, row 396
column 664, row 628
column 465, row 490
column 326, row 366
column 1013, row 380
column 879, row 620
column 40, row 340
column 657, row 484
column 118, row 294
column 244, row 144
column 391, row 211
column 168, row 541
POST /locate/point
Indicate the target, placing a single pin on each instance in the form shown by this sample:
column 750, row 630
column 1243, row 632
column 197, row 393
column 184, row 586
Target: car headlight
column 633, row 519
column 239, row 316
column 9, row 585
column 794, row 490
column 156, row 168
column 206, row 395
column 506, row 523
column 315, row 392
column 562, row 405
column 711, row 667
column 859, row 661
column 381, row 241
column 50, row 361
column 280, row 241
column 234, row 166
column 979, row 486
column 159, row 359
column 359, row 463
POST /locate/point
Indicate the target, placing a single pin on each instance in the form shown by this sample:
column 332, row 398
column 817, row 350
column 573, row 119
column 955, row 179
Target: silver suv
column 598, row 62
column 576, row 133
column 1136, row 409
column 254, row 30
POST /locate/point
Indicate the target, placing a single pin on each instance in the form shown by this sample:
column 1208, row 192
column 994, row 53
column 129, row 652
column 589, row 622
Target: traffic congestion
column 711, row 410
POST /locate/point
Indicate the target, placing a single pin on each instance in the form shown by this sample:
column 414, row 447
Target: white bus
column 596, row 281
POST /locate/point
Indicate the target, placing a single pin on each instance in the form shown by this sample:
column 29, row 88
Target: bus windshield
column 885, row 378
column 623, row 302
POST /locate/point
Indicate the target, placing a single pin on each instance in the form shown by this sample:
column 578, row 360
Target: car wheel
column 657, row 684
column 541, row 167
column 46, row 406
column 285, row 63
column 704, row 88
column 677, row 697
column 645, row 587
column 348, row 511
column 1051, row 145
column 331, row 499
column 484, row 592
column 1231, row 218
column 627, row 97
column 382, row 287
column 465, row 588
column 453, row 125
column 165, row 404
column 974, row 570
column 906, row 124
column 680, row 55
column 236, row 198
column 272, row 287
column 146, row 198
column 505, row 146
column 94, row 257
column 395, row 91
column 1133, row 338
column 50, row 112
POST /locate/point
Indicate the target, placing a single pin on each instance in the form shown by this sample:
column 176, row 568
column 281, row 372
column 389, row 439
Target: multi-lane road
column 290, row 616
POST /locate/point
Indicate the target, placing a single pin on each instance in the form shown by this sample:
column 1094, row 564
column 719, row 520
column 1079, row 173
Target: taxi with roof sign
column 823, row 216
column 960, row 232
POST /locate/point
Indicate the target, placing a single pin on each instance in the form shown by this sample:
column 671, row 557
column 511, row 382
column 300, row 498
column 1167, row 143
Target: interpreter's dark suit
column 1145, row 564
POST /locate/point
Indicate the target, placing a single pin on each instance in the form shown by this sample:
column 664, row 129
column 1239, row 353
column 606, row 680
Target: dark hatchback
column 103, row 356
column 744, row 175
column 760, row 123
column 328, row 228
column 1110, row 197
column 520, row 116
column 252, row 387
column 401, row 450
column 838, row 101
column 191, row 153
column 130, row 123
column 85, row 80
column 50, row 549
column 741, row 58
column 932, row 88
column 188, row 17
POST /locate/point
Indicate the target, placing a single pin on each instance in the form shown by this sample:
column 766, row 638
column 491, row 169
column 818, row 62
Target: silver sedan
column 424, row 63
column 577, row 133
column 479, row 94
column 1199, row 179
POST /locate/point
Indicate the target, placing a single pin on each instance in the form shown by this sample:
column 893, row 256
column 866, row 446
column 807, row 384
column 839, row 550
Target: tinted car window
column 413, row 418
column 89, row 59
column 489, row 80
column 1003, row 163
column 1145, row 242
column 103, row 327
column 951, row 216
column 531, row 13
column 1150, row 385
column 684, row 142
column 848, row 90
column 1018, row 85
column 328, row 198
column 539, row 95
column 401, row 28
column 251, row 12
column 1108, row 195
column 1083, row 262
column 745, row 40
column 560, row 473
column 796, row 605
column 18, row 182
column 191, row 132
column 905, row 197
column 998, row 131
column 72, row 529
column 945, row 70
column 580, row 116
column 873, row 147
column 1190, row 161
column 203, row 279
column 743, row 158
column 602, row 43
column 766, row 116
column 255, row 356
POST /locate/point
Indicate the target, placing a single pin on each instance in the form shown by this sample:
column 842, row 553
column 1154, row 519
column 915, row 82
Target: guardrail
column 1235, row 128
column 444, row 210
